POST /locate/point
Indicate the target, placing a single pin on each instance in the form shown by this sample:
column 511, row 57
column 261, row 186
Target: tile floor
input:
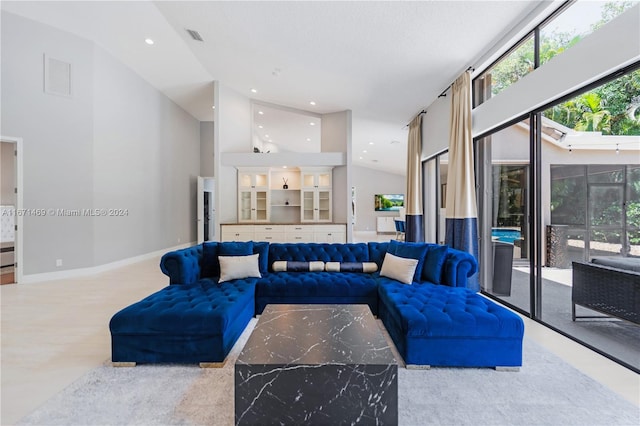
column 54, row 332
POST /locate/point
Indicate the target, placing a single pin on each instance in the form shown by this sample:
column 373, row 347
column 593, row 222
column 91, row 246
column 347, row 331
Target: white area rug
column 546, row 391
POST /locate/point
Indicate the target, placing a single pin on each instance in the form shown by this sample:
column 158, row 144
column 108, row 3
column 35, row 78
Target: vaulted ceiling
column 385, row 61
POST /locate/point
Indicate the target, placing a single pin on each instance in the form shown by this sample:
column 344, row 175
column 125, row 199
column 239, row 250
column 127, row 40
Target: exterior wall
column 511, row 146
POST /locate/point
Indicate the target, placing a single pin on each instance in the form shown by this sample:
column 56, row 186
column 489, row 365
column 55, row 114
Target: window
column 558, row 33
column 518, row 63
column 572, row 24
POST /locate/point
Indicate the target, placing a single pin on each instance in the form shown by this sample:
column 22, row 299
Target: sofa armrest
column 182, row 266
column 458, row 267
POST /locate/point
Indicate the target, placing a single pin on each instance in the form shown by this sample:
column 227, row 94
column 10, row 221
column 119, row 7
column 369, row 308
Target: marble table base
column 316, row 364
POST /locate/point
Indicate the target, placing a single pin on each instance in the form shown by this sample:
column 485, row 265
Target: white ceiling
column 385, row 61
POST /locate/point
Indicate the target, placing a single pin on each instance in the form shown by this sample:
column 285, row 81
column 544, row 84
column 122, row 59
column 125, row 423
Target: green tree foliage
column 515, row 66
column 594, row 117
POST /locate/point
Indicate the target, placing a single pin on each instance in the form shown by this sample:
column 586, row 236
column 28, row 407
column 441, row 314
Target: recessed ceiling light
column 308, row 139
column 213, row 107
column 254, row 91
column 312, row 103
column 260, row 112
column 370, row 143
column 260, row 126
column 266, row 136
column 284, row 167
column 360, row 158
column 312, row 124
column 148, row 41
column 364, row 151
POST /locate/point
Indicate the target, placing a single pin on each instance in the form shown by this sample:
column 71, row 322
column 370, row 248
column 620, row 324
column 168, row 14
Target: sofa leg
column 123, row 364
column 211, row 364
column 418, row 367
column 509, row 369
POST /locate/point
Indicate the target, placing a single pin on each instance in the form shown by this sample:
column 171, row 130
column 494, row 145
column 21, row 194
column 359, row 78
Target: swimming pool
column 507, row 235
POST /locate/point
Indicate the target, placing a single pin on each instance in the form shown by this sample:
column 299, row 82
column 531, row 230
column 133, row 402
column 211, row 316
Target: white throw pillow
column 398, row 268
column 236, row 267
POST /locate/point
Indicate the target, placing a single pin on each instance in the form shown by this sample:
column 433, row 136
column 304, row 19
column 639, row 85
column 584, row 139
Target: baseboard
column 80, row 272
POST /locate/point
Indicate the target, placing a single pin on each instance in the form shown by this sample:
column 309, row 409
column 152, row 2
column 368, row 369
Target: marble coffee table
column 316, row 364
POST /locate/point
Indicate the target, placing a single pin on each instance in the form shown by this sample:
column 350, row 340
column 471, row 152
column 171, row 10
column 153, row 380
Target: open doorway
column 10, row 210
column 8, row 202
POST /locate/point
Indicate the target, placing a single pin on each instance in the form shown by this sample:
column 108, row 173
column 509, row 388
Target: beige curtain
column 414, row 226
column 461, row 209
column 461, row 196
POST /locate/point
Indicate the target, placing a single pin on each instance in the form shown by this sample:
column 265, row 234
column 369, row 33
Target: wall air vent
column 195, row 35
column 57, row 77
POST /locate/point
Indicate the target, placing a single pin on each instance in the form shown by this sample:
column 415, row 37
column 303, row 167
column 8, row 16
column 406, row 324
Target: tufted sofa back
column 307, row 252
column 188, row 265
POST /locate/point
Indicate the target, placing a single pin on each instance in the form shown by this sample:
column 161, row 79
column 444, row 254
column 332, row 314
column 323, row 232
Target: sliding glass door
column 503, row 174
column 564, row 189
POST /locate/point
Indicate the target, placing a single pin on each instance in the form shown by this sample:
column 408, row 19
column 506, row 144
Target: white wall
column 117, row 143
column 206, row 148
column 336, row 137
column 233, row 134
column 436, row 127
column 369, row 182
column 511, row 144
column 57, row 133
column 146, row 157
column 7, row 174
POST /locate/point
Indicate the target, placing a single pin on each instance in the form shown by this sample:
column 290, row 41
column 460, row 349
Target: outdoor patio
column 619, row 338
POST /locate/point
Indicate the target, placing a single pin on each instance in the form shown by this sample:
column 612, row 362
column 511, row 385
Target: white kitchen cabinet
column 297, row 233
column 237, row 233
column 330, row 234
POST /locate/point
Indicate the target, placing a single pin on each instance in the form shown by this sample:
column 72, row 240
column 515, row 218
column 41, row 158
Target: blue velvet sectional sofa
column 433, row 319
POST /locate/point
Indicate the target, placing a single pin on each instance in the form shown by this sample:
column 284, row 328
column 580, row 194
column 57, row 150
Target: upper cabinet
column 253, row 195
column 316, row 177
column 249, row 178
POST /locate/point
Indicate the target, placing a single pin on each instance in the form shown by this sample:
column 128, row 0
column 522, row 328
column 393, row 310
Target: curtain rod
column 444, row 92
column 414, row 117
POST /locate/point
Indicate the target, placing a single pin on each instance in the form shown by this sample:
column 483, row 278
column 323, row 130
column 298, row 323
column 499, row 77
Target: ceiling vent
column 195, row 35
